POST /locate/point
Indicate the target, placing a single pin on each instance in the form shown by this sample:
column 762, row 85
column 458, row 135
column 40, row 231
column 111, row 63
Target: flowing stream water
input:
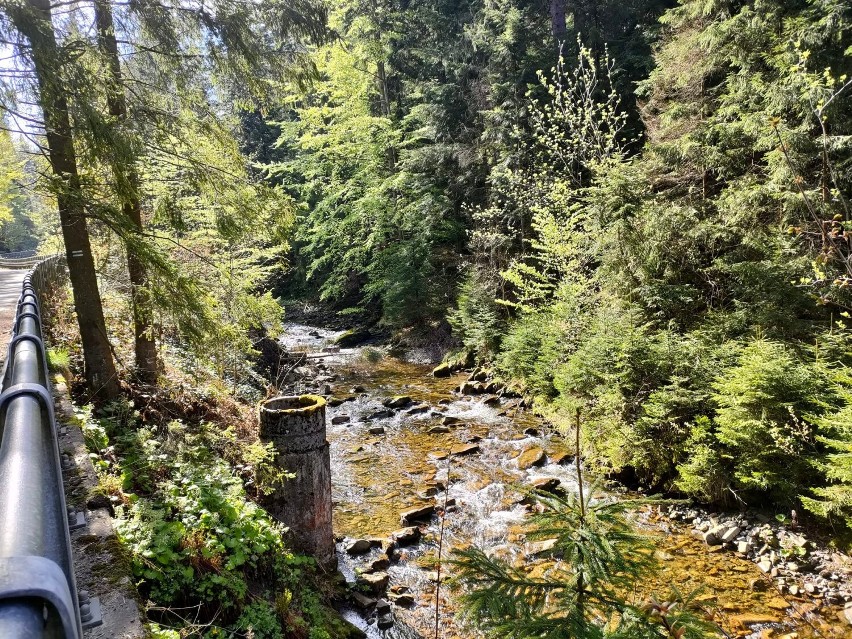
column 384, row 462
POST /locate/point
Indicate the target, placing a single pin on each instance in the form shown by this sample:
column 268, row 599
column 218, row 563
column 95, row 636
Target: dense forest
column 641, row 210
column 636, row 211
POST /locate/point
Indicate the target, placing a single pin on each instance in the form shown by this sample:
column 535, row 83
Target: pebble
column 798, row 564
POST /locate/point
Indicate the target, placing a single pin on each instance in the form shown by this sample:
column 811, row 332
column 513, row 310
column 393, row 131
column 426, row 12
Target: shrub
column 477, row 320
column 201, row 536
column 834, row 499
column 766, row 406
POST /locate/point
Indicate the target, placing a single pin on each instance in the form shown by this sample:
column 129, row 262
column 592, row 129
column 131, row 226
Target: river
column 385, row 462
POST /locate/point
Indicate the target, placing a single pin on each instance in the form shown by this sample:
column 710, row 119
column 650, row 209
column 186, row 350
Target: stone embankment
column 796, row 565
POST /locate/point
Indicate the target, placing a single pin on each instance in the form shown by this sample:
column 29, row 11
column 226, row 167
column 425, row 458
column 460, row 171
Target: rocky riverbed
column 407, row 446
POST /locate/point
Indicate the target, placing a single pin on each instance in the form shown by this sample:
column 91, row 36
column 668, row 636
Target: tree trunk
column 557, row 20
column 33, row 20
column 145, row 345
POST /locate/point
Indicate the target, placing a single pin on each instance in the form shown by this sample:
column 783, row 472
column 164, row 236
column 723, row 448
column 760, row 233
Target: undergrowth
column 185, row 476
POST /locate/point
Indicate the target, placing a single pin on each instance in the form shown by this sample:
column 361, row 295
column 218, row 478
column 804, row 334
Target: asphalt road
column 10, row 290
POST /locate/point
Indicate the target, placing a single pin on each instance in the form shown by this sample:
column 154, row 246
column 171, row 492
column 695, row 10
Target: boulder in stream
column 385, row 621
column 379, row 414
column 443, row 370
column 375, row 582
column 464, row 449
column 449, row 420
column 479, row 375
column 546, row 484
column 358, row 547
column 540, row 547
column 352, row 337
column 471, row 388
column 419, row 513
column 376, row 430
column 337, row 401
column 382, row 562
column 340, row 419
column 403, row 599
column 399, row 401
column 560, row 457
column 407, row 536
column 531, row 457
column 418, row 410
column 361, row 600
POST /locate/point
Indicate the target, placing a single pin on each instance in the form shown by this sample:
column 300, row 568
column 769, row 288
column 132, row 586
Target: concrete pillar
column 296, row 428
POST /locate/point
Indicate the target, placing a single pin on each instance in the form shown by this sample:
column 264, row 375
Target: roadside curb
column 101, row 565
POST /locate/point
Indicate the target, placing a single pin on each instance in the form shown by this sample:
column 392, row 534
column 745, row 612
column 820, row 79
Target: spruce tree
column 33, row 21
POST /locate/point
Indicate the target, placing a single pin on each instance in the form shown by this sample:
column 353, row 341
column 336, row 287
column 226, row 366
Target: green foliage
column 194, row 536
column 834, row 499
column 601, row 557
column 10, row 172
column 765, row 404
column 530, row 351
column 158, row 632
column 636, row 283
column 58, row 359
column 478, row 320
column 260, row 619
column 201, row 537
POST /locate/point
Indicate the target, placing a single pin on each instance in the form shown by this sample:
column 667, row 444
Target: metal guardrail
column 23, row 261
column 17, row 254
column 38, row 592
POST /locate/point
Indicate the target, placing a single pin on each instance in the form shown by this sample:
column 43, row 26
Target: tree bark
column 557, row 20
column 143, row 329
column 33, row 20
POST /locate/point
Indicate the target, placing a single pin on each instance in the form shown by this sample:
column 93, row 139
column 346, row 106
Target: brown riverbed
column 376, row 476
